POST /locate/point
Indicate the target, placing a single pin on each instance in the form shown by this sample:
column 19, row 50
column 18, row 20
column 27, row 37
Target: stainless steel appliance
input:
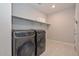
column 40, row 41
column 23, row 43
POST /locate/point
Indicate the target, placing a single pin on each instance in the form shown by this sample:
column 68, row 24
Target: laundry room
column 39, row 29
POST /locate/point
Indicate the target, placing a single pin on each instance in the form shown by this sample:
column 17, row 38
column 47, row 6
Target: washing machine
column 40, row 41
column 23, row 43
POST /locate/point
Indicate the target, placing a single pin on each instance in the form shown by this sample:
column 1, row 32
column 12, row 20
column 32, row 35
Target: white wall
column 5, row 29
column 62, row 25
column 28, row 12
column 77, row 35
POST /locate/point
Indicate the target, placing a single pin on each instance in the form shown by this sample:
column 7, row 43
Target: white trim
column 71, row 44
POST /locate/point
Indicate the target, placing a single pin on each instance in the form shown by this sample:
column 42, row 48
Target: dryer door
column 40, row 42
column 26, row 49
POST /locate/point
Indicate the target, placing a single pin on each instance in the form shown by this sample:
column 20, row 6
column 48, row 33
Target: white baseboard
column 57, row 41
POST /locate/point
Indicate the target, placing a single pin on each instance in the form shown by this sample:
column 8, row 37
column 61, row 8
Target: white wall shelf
column 21, row 18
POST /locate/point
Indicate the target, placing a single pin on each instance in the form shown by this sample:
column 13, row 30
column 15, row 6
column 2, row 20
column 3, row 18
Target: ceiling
column 47, row 9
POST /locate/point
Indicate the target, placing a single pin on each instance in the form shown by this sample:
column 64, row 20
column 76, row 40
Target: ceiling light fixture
column 53, row 6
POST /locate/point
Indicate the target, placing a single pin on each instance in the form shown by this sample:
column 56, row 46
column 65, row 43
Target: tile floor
column 54, row 48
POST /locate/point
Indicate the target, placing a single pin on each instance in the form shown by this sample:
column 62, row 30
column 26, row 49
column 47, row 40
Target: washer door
column 27, row 49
